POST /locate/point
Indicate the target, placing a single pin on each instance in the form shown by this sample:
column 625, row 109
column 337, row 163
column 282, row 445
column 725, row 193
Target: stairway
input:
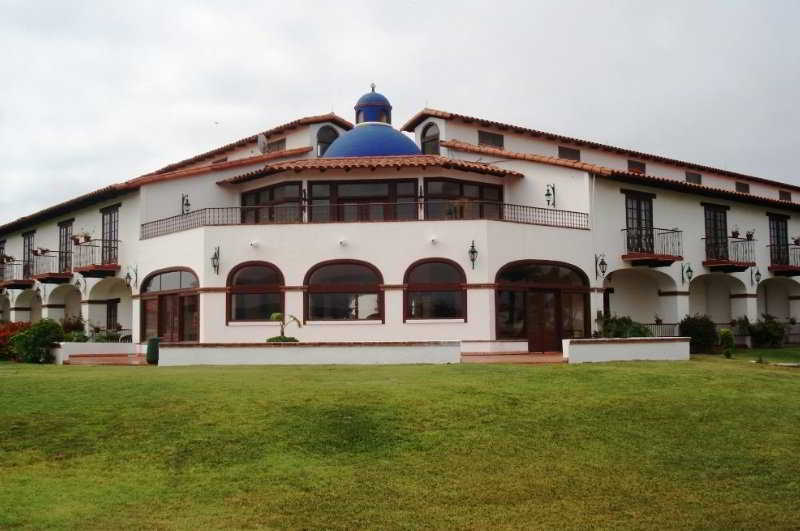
column 106, row 359
column 521, row 358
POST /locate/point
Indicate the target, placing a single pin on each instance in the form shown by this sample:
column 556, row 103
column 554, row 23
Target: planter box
column 626, row 349
column 380, row 352
column 65, row 350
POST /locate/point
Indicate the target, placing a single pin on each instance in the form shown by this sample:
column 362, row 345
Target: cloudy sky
column 96, row 92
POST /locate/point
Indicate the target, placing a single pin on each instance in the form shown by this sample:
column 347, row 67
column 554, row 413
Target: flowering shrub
column 35, row 344
column 7, row 330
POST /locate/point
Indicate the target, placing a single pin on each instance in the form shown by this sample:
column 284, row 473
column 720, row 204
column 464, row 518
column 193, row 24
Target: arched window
column 344, row 290
column 170, row 307
column 325, row 137
column 359, row 117
column 430, row 140
column 255, row 292
column 435, row 289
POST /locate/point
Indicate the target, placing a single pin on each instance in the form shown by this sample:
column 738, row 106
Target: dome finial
column 372, row 86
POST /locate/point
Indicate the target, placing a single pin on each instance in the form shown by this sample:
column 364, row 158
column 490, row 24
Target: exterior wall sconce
column 600, row 266
column 185, row 204
column 755, row 278
column 686, row 273
column 81, row 285
column 550, row 195
column 215, row 260
column 472, row 252
column 132, row 280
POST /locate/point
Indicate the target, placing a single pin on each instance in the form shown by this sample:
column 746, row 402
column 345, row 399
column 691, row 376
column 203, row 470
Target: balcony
column 16, row 275
column 729, row 255
column 652, row 247
column 400, row 211
column 784, row 260
column 52, row 268
column 96, row 258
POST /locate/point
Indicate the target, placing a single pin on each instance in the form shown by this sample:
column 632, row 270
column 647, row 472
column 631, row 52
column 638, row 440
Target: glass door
column 639, row 221
column 543, row 322
column 716, row 233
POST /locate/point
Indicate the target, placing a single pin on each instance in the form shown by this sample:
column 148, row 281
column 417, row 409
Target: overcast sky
column 97, row 92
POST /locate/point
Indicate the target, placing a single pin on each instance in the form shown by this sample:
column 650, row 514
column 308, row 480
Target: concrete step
column 106, row 359
column 525, row 358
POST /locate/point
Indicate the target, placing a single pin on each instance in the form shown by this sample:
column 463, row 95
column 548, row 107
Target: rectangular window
column 694, row 178
column 363, row 201
column 569, row 153
column 485, row 138
column 110, row 242
column 453, row 199
column 785, row 195
column 276, row 145
column 343, row 306
column 639, row 222
column 778, row 240
column 65, row 246
column 634, row 166
column 716, row 218
column 281, row 203
column 27, row 253
column 743, row 188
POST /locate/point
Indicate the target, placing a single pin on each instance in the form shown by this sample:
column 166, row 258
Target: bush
column 726, row 341
column 768, row 332
column 75, row 337
column 622, row 327
column 73, row 324
column 152, row 350
column 7, row 331
column 701, row 330
column 283, row 339
column 34, row 344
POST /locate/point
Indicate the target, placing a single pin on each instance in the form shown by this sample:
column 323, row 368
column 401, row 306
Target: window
column 454, row 199
column 325, row 137
column 716, row 218
column 485, row 138
column 435, row 290
column 344, row 291
column 694, row 178
column 27, row 253
column 569, row 153
column 743, row 188
column 359, row 117
column 785, row 195
column 778, row 239
column 65, row 246
column 430, row 140
column 276, row 145
column 639, row 222
column 110, row 243
column 255, row 292
column 634, row 166
column 170, row 306
column 363, row 201
column 280, row 203
column 2, row 247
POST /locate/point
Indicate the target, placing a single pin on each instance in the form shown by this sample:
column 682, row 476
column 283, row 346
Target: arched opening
column 325, row 137
column 111, row 309
column 255, row 292
column 714, row 294
column 542, row 302
column 646, row 296
column 435, row 289
column 430, row 140
column 170, row 305
column 28, row 307
column 775, row 297
column 344, row 290
column 5, row 308
column 64, row 302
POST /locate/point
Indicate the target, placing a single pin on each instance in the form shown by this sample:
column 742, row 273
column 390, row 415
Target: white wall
column 630, row 349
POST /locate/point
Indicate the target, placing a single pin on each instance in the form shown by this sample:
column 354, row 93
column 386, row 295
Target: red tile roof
column 308, row 120
column 373, row 163
column 435, row 113
column 544, row 159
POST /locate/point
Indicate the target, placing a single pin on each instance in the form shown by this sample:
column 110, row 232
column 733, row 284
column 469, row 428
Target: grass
column 710, row 443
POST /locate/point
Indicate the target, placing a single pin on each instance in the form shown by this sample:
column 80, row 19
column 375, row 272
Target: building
column 477, row 231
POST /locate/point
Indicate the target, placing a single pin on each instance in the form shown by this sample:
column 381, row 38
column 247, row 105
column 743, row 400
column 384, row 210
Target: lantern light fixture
column 185, row 204
column 755, row 278
column 600, row 266
column 550, row 195
column 215, row 260
column 472, row 252
column 686, row 273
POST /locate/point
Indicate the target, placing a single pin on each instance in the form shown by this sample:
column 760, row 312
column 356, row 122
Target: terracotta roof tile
column 426, row 113
column 372, row 163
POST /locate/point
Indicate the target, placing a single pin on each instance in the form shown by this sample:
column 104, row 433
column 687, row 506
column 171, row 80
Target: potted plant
column 749, row 234
column 796, row 239
column 76, row 239
column 735, row 231
column 282, row 320
column 658, row 320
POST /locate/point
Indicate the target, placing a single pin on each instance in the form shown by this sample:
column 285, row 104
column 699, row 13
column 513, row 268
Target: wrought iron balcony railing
column 96, row 253
column 324, row 212
column 653, row 241
column 663, row 329
column 16, row 270
column 784, row 255
column 53, row 263
column 739, row 250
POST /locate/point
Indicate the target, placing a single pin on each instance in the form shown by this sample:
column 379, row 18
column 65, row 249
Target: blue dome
column 373, row 107
column 372, row 139
column 373, row 98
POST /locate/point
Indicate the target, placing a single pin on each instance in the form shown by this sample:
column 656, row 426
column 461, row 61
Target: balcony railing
column 653, row 241
column 784, row 255
column 663, row 329
column 16, row 270
column 48, row 264
column 365, row 212
column 96, row 253
column 739, row 250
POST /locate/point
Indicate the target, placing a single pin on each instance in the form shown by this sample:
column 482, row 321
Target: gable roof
column 373, row 163
column 426, row 113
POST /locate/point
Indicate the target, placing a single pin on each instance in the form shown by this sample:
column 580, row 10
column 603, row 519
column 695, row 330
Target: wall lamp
column 755, row 277
column 215, row 260
column 472, row 252
column 185, row 204
column 686, row 273
column 132, row 280
column 550, row 195
column 600, row 266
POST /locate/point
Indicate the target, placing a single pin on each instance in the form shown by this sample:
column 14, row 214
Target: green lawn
column 710, row 443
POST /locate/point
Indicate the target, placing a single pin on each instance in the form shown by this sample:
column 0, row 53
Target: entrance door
column 169, row 316
column 543, row 322
column 639, row 222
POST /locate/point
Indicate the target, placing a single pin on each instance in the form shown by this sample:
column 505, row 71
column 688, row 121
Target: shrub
column 726, row 341
column 152, row 350
column 741, row 326
column 283, row 339
column 7, row 331
column 701, row 330
column 73, row 324
column 76, row 337
column 622, row 327
column 768, row 332
column 34, row 344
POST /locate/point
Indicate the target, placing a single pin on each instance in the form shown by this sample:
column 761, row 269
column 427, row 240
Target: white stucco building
column 460, row 229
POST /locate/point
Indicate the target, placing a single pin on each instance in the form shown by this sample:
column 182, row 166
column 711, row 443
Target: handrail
column 784, row 254
column 653, row 240
column 730, row 249
column 96, row 252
